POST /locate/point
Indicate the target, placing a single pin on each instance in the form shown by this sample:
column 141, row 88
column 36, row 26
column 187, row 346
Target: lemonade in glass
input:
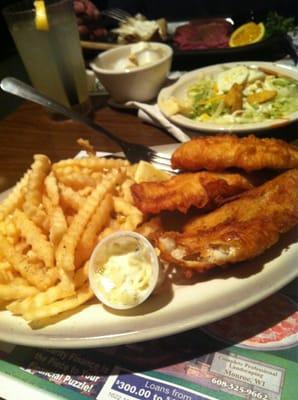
column 51, row 50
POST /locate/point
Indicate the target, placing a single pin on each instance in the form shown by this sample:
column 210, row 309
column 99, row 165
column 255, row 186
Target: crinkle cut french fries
column 49, row 225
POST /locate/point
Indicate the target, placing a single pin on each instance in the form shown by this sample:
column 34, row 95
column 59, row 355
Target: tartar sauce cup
column 123, row 270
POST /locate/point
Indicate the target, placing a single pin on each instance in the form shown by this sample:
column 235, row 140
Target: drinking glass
column 53, row 58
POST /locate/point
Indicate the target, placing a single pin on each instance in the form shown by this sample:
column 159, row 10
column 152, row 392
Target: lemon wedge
column 247, row 34
column 146, row 172
column 41, row 18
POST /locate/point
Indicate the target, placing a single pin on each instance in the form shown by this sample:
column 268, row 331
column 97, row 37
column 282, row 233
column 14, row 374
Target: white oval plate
column 179, row 90
column 177, row 309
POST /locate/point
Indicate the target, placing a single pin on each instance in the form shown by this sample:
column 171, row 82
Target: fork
column 117, row 14
column 134, row 152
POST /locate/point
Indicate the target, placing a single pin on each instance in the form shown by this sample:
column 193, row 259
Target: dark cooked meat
column 203, row 34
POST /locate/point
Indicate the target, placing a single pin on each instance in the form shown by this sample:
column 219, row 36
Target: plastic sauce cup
column 116, row 265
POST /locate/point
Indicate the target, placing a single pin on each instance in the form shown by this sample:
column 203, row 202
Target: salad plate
column 258, row 118
column 176, row 308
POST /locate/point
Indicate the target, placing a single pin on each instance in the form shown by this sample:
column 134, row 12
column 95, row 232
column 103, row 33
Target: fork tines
column 163, row 161
column 117, row 14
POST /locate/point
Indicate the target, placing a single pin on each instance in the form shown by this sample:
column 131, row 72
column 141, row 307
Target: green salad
column 241, row 95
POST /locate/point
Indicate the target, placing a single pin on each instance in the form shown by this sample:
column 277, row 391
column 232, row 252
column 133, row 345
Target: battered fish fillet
column 180, row 192
column 250, row 153
column 239, row 230
column 276, row 195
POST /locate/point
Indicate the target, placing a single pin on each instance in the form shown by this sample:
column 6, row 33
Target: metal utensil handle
column 21, row 89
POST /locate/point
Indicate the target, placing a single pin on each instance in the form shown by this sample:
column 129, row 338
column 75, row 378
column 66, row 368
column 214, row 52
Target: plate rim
column 155, row 332
column 235, row 128
column 49, row 341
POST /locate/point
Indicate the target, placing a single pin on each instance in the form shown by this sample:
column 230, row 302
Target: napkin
column 150, row 113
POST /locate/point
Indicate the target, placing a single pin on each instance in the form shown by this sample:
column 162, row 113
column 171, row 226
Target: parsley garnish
column 276, row 24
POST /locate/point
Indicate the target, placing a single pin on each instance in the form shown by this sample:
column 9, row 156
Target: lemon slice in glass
column 41, row 18
column 247, row 34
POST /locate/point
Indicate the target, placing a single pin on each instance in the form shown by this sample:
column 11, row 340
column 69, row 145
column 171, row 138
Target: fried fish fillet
column 276, row 195
column 216, row 153
column 239, row 230
column 201, row 189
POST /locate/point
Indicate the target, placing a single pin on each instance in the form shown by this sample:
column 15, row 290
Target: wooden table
column 31, row 130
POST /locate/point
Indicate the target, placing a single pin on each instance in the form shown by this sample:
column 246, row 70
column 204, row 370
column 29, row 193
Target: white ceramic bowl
column 102, row 284
column 140, row 84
